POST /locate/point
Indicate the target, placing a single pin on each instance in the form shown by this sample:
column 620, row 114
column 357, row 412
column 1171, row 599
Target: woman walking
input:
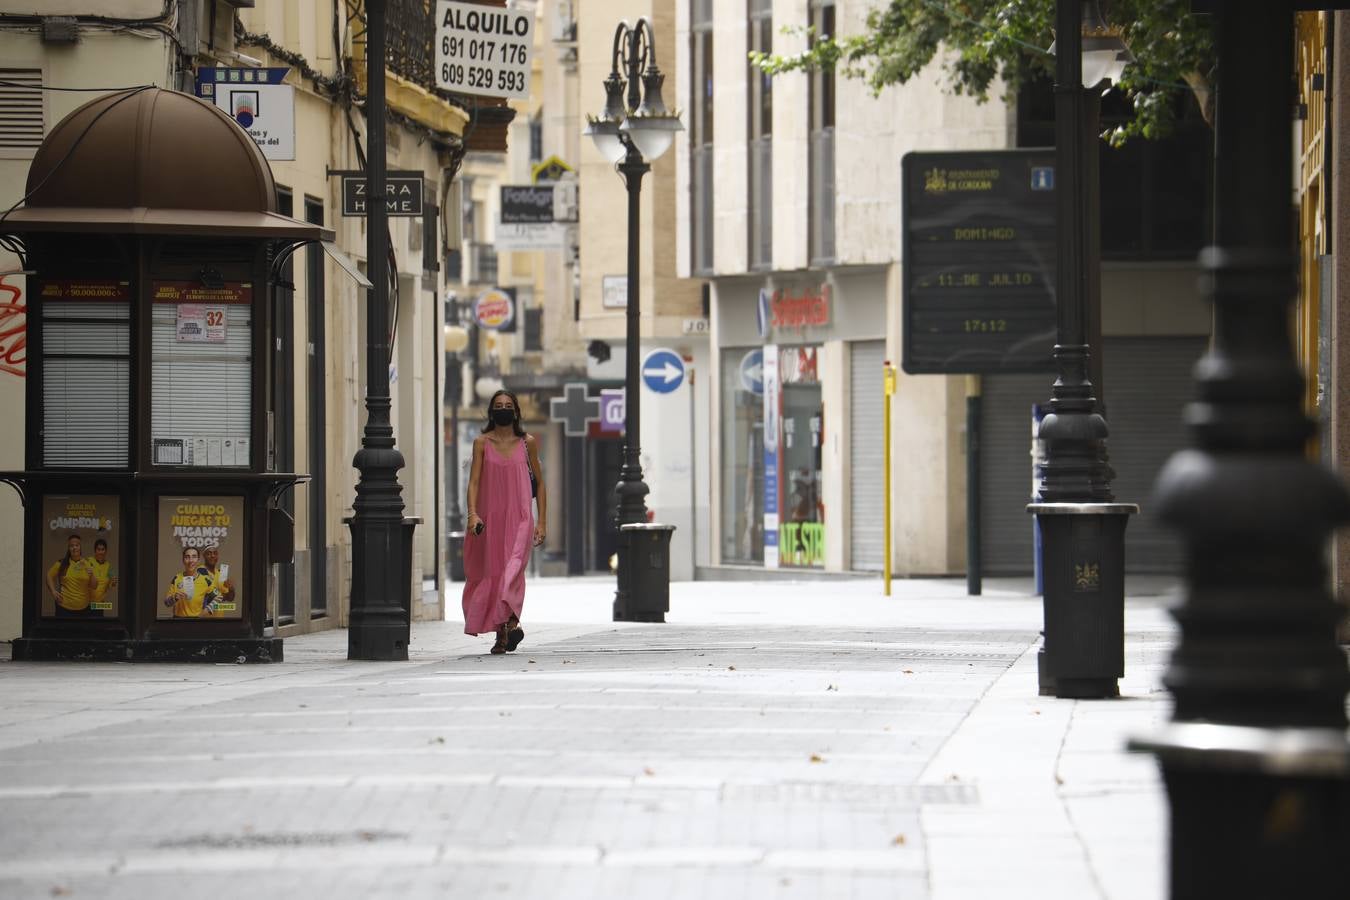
column 501, row 528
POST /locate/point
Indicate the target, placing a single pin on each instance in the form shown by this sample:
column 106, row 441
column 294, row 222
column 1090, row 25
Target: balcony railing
column 408, row 47
column 822, row 196
column 761, row 203
column 702, row 209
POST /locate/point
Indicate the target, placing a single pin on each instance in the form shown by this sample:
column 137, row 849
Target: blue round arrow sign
column 663, row 371
column 752, row 371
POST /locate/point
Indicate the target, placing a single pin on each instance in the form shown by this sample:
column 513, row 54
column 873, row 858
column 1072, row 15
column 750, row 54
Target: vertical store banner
column 80, row 549
column 199, row 558
column 771, row 429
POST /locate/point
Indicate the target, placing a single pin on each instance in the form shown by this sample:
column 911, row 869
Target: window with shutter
column 201, row 376
column 86, row 377
column 21, row 111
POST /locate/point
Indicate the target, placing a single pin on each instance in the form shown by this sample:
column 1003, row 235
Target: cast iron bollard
column 1084, row 571
column 647, row 571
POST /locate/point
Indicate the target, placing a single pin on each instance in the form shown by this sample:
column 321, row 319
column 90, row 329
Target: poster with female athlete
column 80, row 546
column 201, row 547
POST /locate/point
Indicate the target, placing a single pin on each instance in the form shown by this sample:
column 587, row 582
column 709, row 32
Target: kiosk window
column 201, row 376
column 86, row 374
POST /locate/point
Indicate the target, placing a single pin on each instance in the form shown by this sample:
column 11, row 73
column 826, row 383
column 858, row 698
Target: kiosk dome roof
column 150, row 148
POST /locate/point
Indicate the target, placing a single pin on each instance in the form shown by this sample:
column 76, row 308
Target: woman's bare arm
column 541, row 495
column 475, row 471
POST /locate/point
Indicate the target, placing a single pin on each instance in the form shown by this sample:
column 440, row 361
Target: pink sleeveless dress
column 494, row 561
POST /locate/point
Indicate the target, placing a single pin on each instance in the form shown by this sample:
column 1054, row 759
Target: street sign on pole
column 663, row 371
column 483, row 50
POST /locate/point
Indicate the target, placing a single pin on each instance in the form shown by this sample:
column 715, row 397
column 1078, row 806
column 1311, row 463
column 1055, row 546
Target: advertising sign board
column 495, row 309
column 200, row 552
column 483, row 50
column 978, row 292
column 81, row 546
column 257, row 99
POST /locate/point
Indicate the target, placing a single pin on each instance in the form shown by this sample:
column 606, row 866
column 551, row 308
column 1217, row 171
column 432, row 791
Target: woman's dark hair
column 515, row 424
column 65, row 560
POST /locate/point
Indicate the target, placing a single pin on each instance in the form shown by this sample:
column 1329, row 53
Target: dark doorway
column 606, row 458
column 316, row 390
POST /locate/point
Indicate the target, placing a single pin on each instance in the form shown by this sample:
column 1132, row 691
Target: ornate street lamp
column 634, row 127
column 1083, row 529
column 381, row 613
column 1256, row 757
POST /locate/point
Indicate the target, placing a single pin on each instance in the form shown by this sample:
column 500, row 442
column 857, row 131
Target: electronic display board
column 978, row 292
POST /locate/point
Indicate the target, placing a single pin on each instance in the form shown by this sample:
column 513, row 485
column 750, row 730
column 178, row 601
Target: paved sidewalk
column 785, row 740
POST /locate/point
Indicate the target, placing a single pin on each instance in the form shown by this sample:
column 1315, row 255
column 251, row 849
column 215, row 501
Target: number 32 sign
column 483, row 50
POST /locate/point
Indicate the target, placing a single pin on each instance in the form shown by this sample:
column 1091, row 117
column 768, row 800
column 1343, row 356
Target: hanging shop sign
column 402, row 193
column 258, row 101
column 978, row 291
column 484, row 51
column 81, row 545
column 539, row 204
column 495, row 309
column 201, row 550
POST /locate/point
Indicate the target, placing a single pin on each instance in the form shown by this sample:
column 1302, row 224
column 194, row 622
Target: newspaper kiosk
column 150, row 238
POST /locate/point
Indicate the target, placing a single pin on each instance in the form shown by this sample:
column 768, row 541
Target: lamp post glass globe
column 605, row 134
column 1103, row 51
column 653, row 135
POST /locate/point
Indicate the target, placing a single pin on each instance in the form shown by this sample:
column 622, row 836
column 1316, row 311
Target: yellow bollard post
column 888, row 387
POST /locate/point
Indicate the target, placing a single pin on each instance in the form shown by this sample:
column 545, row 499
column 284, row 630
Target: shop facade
column 797, row 424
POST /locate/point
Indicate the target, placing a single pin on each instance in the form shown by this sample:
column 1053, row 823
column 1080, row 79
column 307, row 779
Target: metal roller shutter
column 866, row 503
column 1148, row 381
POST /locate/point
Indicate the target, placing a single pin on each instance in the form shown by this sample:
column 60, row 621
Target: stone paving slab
column 742, row 750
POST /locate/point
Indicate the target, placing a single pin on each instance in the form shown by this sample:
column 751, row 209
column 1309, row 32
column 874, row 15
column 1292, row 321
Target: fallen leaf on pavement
column 731, row 668
column 907, row 671
column 898, row 840
column 817, row 758
column 649, row 771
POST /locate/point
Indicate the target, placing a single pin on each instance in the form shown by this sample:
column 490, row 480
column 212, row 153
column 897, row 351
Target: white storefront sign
column 483, row 50
column 265, row 111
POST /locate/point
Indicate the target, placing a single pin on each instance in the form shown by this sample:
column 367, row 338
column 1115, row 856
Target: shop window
column 801, row 516
column 772, row 437
column 821, row 196
column 742, row 462
column 760, row 148
column 701, row 135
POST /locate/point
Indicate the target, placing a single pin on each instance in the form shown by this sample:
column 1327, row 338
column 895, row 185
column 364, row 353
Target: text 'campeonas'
column 487, row 22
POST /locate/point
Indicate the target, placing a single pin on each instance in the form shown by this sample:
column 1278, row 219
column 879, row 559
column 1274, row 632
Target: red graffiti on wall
column 13, row 329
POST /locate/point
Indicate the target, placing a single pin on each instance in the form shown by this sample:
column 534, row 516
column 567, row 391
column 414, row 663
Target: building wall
column 108, row 57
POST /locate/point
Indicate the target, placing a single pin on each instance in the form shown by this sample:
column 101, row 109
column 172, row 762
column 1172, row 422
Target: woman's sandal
column 499, row 647
column 514, row 636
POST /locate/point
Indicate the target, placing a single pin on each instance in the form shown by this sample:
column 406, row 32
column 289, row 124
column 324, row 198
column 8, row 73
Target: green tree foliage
column 981, row 41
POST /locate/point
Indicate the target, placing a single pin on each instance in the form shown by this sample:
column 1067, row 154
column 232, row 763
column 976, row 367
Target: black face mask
column 502, row 416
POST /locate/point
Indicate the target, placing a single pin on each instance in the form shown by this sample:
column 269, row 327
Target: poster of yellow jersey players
column 80, row 545
column 201, row 546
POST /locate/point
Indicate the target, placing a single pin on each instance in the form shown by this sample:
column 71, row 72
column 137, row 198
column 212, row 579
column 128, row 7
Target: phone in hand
column 478, row 529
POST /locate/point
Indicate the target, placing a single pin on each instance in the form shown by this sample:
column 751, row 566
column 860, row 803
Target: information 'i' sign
column 483, row 50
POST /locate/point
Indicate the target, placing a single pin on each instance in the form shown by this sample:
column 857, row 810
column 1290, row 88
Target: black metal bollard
column 646, row 567
column 1084, row 569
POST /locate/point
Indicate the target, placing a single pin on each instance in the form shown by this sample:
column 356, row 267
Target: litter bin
column 455, row 555
column 647, row 572
column 1083, row 545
